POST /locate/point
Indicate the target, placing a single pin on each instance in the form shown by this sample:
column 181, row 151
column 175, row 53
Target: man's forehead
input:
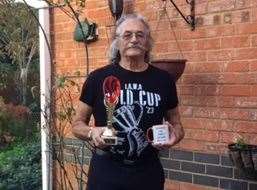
column 133, row 25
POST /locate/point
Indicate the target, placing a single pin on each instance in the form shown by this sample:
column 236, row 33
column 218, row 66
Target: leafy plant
column 240, row 143
column 18, row 39
column 20, row 166
column 64, row 92
column 15, row 122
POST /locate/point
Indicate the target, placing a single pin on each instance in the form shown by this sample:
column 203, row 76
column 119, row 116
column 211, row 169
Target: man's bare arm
column 81, row 128
column 80, row 125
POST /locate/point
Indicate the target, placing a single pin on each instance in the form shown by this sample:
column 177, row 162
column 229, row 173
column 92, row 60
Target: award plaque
column 158, row 134
column 111, row 90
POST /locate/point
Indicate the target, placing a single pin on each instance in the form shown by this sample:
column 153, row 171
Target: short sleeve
column 172, row 94
column 88, row 93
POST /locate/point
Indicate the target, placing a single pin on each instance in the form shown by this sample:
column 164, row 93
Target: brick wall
column 217, row 92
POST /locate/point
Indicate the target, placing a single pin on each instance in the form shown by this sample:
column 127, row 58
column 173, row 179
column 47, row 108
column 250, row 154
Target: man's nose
column 134, row 38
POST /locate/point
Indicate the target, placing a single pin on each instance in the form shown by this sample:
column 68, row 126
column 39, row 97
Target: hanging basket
column 244, row 159
column 174, row 67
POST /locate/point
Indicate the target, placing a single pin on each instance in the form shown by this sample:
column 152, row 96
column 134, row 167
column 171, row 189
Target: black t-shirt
column 144, row 99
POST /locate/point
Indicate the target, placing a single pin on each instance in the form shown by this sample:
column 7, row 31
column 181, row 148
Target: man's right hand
column 96, row 137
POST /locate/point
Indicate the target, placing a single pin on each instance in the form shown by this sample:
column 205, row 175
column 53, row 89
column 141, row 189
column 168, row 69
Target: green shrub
column 20, row 167
column 15, row 122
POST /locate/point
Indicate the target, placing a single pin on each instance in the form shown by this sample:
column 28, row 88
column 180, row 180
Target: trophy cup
column 111, row 90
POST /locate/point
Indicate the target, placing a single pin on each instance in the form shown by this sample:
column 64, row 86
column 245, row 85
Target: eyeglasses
column 129, row 35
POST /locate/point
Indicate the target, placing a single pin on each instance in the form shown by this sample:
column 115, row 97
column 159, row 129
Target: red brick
column 207, row 44
column 208, row 67
column 216, row 148
column 215, row 6
column 204, row 135
column 228, row 137
column 195, row 56
column 211, row 124
column 247, row 53
column 252, row 78
column 150, row 15
column 186, row 111
column 207, row 112
column 218, row 31
column 242, row 3
column 201, row 8
column 246, row 102
column 192, row 123
column 254, row 90
column 253, row 139
column 173, row 46
column 234, row 114
column 209, row 78
column 236, row 66
column 164, row 36
column 70, row 171
column 98, row 13
column 241, row 16
column 208, row 20
column 186, row 45
column 189, row 67
column 197, row 34
column 227, row 125
column 220, row 55
column 92, row 5
column 254, row 41
column 185, row 89
column 245, row 127
column 235, row 42
column 201, row 78
column 190, row 186
column 254, row 13
column 235, row 90
column 171, row 185
column 158, row 26
column 198, row 101
column 192, row 145
column 161, row 47
column 206, row 90
column 253, row 114
column 246, row 28
column 234, row 78
column 253, row 65
column 226, row 101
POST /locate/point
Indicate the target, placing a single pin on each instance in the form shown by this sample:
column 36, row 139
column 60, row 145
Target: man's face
column 132, row 39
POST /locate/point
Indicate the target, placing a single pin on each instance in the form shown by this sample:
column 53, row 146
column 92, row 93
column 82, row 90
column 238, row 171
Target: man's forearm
column 81, row 130
column 179, row 132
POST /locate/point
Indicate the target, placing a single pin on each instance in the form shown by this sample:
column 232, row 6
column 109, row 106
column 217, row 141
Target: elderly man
column 147, row 95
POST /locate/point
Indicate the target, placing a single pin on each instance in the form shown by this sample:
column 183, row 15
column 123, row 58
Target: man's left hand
column 172, row 140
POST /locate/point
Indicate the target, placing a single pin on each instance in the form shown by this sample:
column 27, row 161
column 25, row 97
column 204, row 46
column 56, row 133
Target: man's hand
column 81, row 128
column 96, row 137
column 172, row 140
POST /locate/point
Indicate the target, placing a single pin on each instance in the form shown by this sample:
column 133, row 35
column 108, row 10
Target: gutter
column 45, row 98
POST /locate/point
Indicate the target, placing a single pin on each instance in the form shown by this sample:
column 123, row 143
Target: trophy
column 111, row 90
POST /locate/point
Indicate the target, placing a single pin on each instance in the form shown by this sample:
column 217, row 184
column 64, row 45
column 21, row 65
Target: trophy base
column 110, row 140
